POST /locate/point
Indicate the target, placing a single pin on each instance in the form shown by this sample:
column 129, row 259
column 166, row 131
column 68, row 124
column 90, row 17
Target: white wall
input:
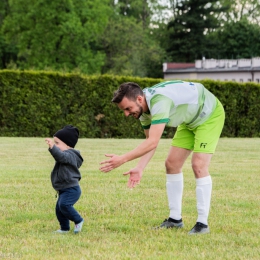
column 240, row 70
column 240, row 76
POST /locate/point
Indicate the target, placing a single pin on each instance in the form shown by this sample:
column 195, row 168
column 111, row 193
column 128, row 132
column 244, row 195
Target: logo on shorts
column 203, row 145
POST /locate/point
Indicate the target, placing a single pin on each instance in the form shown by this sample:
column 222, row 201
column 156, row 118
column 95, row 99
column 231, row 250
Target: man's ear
column 140, row 99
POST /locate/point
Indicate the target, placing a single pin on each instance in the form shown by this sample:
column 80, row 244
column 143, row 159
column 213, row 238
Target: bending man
column 199, row 118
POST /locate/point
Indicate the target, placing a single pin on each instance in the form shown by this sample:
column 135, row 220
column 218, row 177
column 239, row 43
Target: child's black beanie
column 69, row 135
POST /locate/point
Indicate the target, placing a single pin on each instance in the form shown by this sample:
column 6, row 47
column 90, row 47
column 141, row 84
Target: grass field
column 119, row 221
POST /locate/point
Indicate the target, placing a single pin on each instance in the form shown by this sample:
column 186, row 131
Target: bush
column 38, row 103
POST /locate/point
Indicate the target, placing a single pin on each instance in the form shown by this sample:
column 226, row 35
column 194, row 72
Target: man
column 200, row 118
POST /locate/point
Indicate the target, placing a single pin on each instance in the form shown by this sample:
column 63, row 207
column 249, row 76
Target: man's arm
column 146, row 157
column 150, row 144
column 135, row 174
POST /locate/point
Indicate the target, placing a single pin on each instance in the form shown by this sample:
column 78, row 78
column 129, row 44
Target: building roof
column 212, row 65
column 215, row 70
column 178, row 65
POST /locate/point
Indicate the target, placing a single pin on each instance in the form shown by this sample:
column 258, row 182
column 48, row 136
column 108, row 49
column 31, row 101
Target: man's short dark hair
column 129, row 90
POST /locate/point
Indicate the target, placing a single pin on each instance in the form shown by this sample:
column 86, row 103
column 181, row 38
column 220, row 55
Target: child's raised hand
column 49, row 142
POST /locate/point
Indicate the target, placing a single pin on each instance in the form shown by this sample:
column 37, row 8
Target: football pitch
column 118, row 221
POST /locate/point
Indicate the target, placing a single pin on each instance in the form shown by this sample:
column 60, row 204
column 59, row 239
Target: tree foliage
column 124, row 37
column 244, row 9
column 236, row 40
column 57, row 34
column 193, row 20
column 8, row 52
column 128, row 41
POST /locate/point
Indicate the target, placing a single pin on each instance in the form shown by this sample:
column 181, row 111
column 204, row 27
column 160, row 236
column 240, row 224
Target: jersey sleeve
column 160, row 109
column 145, row 121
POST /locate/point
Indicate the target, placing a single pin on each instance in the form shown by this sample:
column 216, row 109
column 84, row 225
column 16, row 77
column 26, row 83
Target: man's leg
column 206, row 139
column 174, row 185
column 174, row 179
column 182, row 145
column 200, row 165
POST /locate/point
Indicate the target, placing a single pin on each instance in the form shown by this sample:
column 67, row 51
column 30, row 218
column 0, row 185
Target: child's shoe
column 78, row 227
column 59, row 231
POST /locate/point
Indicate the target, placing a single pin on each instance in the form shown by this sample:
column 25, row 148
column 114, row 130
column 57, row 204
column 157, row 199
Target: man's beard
column 138, row 113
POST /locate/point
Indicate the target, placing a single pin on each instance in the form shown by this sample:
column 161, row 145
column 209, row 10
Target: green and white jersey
column 177, row 102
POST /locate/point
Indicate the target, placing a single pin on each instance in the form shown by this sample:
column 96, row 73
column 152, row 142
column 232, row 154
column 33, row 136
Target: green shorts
column 204, row 138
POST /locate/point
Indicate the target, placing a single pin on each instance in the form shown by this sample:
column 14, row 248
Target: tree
column 58, row 34
column 143, row 11
column 128, row 49
column 240, row 9
column 193, row 20
column 137, row 9
column 237, row 39
column 8, row 52
column 129, row 42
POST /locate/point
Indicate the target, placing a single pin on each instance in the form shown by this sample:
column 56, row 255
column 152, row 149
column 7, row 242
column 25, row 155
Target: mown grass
column 119, row 221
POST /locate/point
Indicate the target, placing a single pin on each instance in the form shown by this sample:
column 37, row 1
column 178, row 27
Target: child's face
column 61, row 145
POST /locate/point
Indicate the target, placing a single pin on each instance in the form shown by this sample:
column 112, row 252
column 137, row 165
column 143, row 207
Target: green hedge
column 38, row 103
column 241, row 102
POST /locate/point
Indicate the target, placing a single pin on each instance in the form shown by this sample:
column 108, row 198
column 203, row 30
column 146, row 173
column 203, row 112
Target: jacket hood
column 80, row 160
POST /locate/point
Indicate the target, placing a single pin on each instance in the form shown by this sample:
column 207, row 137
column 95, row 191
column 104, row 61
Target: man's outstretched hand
column 113, row 162
column 135, row 176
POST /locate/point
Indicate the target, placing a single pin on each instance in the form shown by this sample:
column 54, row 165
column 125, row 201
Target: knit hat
column 69, row 135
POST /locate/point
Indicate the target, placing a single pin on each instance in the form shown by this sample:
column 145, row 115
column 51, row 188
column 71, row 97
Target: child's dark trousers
column 65, row 211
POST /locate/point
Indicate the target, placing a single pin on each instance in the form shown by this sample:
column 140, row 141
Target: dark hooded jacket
column 65, row 173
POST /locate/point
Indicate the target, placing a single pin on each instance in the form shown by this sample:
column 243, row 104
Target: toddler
column 65, row 177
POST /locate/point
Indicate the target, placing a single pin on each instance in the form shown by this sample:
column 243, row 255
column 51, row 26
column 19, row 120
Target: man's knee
column 172, row 166
column 196, row 167
column 200, row 164
column 200, row 170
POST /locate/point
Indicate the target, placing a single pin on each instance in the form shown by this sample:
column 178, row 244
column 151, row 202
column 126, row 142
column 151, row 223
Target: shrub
column 38, row 103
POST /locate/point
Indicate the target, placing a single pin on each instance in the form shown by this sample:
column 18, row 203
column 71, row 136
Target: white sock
column 203, row 193
column 174, row 187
